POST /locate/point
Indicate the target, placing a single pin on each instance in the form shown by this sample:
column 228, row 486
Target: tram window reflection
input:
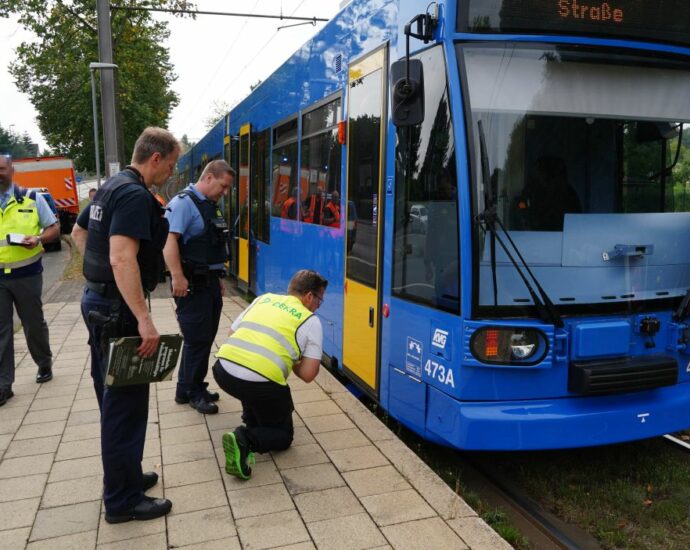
column 320, row 166
column 284, row 174
column 426, row 261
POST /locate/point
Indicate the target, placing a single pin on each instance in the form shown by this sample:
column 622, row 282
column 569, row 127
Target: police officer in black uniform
column 196, row 252
column 122, row 235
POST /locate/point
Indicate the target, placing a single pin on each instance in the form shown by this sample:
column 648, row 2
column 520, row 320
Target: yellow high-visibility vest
column 19, row 217
column 266, row 340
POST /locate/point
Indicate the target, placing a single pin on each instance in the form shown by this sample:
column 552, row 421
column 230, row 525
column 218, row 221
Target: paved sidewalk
column 347, row 481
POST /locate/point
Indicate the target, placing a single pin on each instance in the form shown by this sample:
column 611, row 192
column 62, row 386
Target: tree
column 54, row 70
column 219, row 109
column 11, row 144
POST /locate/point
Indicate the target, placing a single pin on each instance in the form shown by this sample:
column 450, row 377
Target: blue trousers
column 124, row 413
column 198, row 315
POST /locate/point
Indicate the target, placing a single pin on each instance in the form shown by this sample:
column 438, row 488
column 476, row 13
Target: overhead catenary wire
column 228, row 14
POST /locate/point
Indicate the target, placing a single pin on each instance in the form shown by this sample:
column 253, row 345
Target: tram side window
column 426, row 253
column 320, row 166
column 284, row 194
column 260, row 185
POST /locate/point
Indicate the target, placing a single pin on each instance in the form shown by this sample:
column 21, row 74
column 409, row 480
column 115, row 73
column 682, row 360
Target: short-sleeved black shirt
column 131, row 214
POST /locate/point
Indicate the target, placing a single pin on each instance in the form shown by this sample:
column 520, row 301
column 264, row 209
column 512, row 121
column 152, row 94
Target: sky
column 215, row 59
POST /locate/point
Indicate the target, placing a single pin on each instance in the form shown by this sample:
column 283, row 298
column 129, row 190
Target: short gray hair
column 305, row 281
column 154, row 140
column 217, row 168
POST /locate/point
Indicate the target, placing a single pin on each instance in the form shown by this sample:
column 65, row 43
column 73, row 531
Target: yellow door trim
column 243, row 248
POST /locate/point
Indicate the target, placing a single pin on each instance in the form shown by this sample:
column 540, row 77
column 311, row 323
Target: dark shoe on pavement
column 150, row 479
column 238, row 457
column 148, row 508
column 182, row 399
column 5, row 395
column 44, row 374
column 203, row 406
column 210, row 395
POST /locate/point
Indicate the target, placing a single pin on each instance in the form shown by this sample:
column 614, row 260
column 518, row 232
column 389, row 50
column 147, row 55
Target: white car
column 418, row 218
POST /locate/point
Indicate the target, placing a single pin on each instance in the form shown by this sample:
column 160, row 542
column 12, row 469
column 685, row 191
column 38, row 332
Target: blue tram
column 498, row 193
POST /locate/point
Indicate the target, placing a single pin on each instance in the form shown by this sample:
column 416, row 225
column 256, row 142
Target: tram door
column 244, row 210
column 365, row 133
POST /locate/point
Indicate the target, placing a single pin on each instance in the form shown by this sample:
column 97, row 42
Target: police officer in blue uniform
column 122, row 235
column 196, row 252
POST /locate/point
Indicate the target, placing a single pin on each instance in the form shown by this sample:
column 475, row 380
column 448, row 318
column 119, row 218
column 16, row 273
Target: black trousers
column 124, row 413
column 198, row 315
column 266, row 410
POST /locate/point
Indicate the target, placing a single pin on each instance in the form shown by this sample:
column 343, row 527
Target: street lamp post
column 93, row 67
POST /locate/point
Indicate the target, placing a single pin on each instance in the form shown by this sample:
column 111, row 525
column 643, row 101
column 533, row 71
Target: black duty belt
column 107, row 290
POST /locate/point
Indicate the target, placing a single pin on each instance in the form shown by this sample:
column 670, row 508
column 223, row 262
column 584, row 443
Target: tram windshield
column 588, row 158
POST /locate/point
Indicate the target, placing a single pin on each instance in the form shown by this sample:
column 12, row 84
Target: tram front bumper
column 557, row 423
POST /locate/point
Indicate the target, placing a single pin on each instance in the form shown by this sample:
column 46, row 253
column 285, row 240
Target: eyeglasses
column 319, row 298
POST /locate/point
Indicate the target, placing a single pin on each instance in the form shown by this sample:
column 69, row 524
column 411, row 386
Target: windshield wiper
column 683, row 308
column 489, row 218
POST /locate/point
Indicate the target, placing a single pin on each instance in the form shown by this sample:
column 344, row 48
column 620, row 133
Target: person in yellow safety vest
column 26, row 222
column 277, row 334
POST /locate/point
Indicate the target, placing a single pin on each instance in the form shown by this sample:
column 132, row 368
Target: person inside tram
column 548, row 197
column 289, row 208
column 313, row 207
column 331, row 213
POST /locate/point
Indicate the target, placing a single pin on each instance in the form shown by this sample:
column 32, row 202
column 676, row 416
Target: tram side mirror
column 408, row 92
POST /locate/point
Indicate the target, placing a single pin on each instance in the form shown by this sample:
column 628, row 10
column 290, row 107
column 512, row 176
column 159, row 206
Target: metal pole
column 108, row 105
column 95, row 128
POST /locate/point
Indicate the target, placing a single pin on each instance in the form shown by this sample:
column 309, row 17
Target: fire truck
column 56, row 176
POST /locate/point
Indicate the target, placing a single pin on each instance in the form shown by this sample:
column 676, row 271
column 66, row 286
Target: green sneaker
column 237, row 455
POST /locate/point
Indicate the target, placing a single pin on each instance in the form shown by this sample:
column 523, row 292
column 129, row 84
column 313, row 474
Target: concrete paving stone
column 51, row 403
column 152, row 447
column 227, row 403
column 7, row 412
column 263, row 473
column 328, row 383
column 317, row 408
column 477, row 534
column 328, row 504
column 73, row 491
column 299, row 546
column 79, row 449
column 15, row 539
column 187, row 417
column 187, row 452
column 397, row 507
column 10, row 425
column 39, row 417
column 57, row 391
column 311, row 478
column 374, row 481
column 68, row 542
column 45, row 429
column 187, row 473
column 424, row 533
column 255, row 501
column 82, row 431
column 357, row 458
column 76, row 468
column 223, row 421
column 30, row 447
column 18, row 513
column 370, row 425
column 302, row 436
column 332, row 422
column 297, row 384
column 301, row 455
column 26, row 465
column 78, row 418
column 232, row 543
column 131, row 530
column 84, row 392
column 341, row 439
column 307, row 396
column 200, row 526
column 167, row 407
column 346, row 533
column 5, row 442
column 425, row 481
column 272, row 530
column 19, row 488
column 198, row 496
column 158, row 541
column 187, row 434
column 88, row 404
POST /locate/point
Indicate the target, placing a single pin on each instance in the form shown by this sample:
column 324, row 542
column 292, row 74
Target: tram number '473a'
column 439, row 372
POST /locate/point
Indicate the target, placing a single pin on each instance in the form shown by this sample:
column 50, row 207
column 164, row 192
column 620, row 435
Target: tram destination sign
column 654, row 20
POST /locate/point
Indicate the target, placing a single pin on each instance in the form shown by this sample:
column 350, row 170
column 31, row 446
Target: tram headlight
column 509, row 345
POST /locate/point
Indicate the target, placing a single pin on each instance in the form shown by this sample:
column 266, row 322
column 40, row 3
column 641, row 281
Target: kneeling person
column 275, row 335
column 195, row 252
